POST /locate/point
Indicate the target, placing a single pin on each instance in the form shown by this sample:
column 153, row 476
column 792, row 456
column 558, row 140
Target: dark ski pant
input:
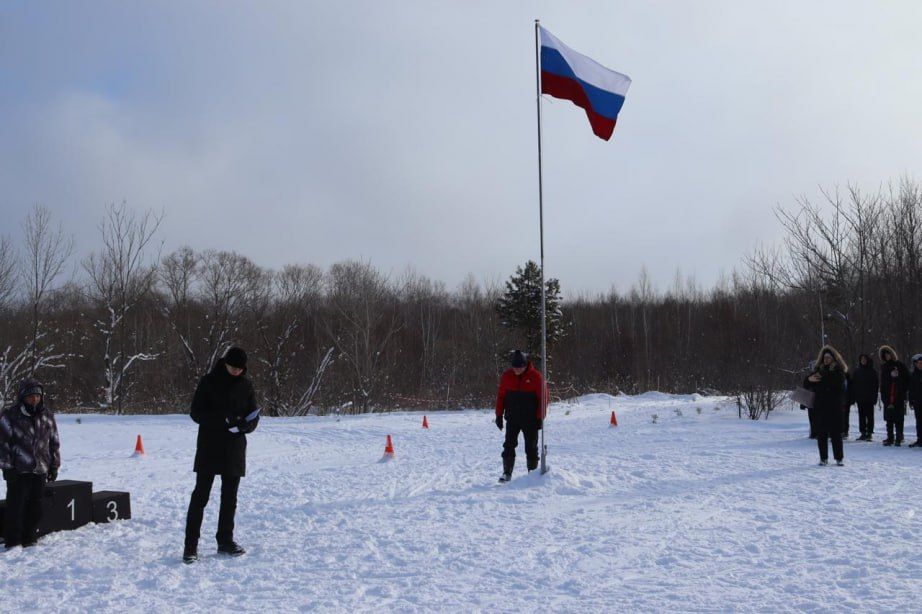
column 866, row 418
column 529, row 431
column 200, row 495
column 23, row 508
column 918, row 411
column 822, row 441
column 846, row 414
column 898, row 423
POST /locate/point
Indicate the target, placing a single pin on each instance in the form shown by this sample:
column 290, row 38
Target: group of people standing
column 836, row 389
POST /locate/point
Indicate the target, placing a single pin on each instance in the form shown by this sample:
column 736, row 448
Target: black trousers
column 918, row 412
column 898, row 423
column 811, row 415
column 822, row 441
column 866, row 418
column 530, row 432
column 23, row 508
column 846, row 414
column 200, row 495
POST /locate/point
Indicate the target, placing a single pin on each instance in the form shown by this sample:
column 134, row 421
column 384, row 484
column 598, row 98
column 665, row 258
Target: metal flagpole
column 544, row 373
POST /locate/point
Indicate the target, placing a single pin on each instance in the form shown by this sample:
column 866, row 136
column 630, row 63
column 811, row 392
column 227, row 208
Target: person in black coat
column 915, row 397
column 828, row 384
column 224, row 407
column 865, row 385
column 894, row 384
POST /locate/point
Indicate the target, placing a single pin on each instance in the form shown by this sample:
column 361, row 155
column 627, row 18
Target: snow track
column 697, row 512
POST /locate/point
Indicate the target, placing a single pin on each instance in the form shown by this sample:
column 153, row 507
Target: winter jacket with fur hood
column 830, row 390
column 893, row 388
column 29, row 441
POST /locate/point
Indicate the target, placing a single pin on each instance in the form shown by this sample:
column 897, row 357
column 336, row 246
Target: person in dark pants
column 865, row 385
column 30, row 455
column 894, row 384
column 915, row 397
column 846, row 406
column 521, row 401
column 224, row 407
column 828, row 383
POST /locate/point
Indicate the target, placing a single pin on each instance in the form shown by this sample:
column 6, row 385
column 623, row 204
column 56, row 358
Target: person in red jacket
column 521, row 401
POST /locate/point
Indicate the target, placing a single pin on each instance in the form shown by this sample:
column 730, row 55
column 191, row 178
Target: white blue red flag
column 572, row 76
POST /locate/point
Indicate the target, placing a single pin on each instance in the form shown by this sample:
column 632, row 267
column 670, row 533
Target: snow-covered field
column 697, row 512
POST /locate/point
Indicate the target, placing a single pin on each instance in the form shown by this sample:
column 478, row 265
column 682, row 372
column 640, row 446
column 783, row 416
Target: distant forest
column 130, row 329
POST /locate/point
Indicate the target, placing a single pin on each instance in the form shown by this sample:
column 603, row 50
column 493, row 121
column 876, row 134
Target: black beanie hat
column 518, row 359
column 236, row 357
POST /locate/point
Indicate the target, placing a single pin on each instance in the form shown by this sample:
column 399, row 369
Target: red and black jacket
column 522, row 397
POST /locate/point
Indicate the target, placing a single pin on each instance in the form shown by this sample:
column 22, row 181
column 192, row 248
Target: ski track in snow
column 698, row 512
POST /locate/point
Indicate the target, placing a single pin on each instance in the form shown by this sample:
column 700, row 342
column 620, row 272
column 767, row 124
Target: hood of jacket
column 869, row 365
column 220, row 368
column 837, row 358
column 887, row 348
column 26, row 387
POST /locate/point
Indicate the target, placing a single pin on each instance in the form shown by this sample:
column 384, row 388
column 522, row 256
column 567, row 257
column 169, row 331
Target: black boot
column 507, row 470
column 190, row 554
column 914, row 445
column 231, row 548
column 888, row 442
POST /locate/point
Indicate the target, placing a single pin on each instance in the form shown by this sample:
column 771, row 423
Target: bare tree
column 364, row 321
column 47, row 252
column 121, row 275
column 8, row 272
column 178, row 273
column 293, row 295
column 228, row 285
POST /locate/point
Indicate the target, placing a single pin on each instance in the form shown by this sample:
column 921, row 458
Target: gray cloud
column 404, row 132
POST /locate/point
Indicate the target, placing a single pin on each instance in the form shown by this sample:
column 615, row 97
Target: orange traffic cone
column 389, row 448
column 425, row 423
column 614, row 419
column 139, row 447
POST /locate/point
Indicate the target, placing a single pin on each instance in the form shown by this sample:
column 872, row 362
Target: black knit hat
column 30, row 386
column 518, row 359
column 236, row 357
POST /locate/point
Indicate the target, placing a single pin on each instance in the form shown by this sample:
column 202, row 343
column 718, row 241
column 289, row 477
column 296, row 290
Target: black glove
column 235, row 425
column 499, row 422
column 52, row 474
column 8, row 474
column 540, row 424
column 248, row 427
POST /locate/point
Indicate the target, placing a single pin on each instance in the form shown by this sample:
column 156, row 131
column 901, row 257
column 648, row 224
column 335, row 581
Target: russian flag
column 572, row 76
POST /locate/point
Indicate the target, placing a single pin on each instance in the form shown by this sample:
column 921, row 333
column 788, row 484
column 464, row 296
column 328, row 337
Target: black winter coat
column 830, row 398
column 221, row 401
column 29, row 441
column 865, row 384
column 915, row 388
column 893, row 389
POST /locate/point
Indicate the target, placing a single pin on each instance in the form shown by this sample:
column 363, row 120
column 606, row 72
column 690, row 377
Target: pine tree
column 520, row 307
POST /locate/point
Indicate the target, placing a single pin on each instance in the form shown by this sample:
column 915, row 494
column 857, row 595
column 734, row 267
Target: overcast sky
column 405, row 132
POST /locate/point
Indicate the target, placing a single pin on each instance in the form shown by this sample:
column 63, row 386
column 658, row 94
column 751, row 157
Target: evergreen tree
column 520, row 307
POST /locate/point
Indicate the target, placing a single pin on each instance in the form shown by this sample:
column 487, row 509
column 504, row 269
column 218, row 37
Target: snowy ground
column 697, row 512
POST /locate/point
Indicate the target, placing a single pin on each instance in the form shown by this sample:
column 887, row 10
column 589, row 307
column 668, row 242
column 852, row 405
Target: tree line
column 131, row 329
